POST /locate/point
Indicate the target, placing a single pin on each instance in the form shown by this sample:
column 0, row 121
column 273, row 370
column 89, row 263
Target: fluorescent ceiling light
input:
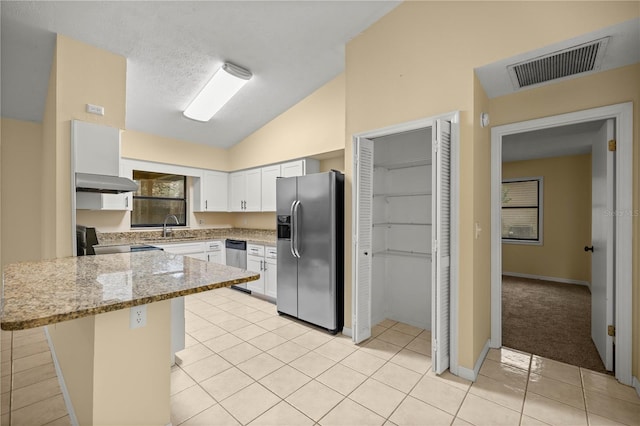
column 223, row 85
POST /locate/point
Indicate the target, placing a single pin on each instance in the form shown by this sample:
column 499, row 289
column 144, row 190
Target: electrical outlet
column 138, row 316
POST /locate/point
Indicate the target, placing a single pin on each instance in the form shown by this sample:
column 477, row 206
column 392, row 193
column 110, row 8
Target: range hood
column 105, row 184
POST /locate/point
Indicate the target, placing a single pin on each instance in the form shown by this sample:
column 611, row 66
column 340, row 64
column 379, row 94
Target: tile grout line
column 526, row 387
column 584, row 394
column 11, row 381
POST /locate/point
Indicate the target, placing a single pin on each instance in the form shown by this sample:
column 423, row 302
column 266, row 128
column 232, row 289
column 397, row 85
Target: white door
column 253, row 199
column 269, row 176
column 293, row 168
column 602, row 231
column 440, row 254
column 363, row 224
column 237, row 191
column 215, row 191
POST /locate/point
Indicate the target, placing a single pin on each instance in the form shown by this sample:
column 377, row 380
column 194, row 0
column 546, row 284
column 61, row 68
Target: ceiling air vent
column 561, row 64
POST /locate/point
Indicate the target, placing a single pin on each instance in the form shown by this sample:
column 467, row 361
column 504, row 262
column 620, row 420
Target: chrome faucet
column 164, row 225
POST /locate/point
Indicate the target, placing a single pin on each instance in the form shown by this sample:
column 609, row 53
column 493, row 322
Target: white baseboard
column 347, row 332
column 63, row 386
column 541, row 277
column 636, row 384
column 472, row 375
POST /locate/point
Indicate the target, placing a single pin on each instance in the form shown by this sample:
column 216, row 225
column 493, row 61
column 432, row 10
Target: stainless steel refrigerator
column 310, row 221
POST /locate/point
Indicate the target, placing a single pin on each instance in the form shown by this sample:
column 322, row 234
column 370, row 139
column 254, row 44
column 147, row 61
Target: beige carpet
column 549, row 319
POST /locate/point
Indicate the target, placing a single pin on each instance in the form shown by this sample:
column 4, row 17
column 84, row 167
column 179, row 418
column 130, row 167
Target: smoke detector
column 580, row 59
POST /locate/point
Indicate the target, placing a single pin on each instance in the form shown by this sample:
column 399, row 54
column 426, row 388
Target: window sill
column 522, row 242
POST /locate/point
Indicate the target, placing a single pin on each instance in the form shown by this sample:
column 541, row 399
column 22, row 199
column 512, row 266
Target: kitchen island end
column 113, row 374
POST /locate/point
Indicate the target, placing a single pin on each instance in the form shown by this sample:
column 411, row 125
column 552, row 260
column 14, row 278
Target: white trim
column 544, row 278
column 63, row 386
column 636, row 385
column 347, row 332
column 467, row 373
column 454, row 249
column 623, row 114
column 454, row 117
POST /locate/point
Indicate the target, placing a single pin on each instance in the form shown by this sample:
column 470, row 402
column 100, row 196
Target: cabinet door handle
column 206, row 204
column 126, row 202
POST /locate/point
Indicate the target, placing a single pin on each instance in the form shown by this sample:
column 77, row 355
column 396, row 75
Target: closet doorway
column 404, row 265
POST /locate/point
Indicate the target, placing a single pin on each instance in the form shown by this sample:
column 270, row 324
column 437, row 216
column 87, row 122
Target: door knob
column 588, row 249
column 366, row 253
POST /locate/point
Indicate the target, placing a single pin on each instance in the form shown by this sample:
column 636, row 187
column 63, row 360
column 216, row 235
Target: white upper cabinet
column 97, row 151
column 245, row 191
column 269, row 176
column 253, row 200
column 97, row 148
column 237, row 191
column 210, row 192
column 301, row 167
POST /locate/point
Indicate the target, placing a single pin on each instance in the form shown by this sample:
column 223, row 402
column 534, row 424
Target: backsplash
column 106, row 238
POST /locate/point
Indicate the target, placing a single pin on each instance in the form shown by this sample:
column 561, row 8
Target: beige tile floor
column 244, row 364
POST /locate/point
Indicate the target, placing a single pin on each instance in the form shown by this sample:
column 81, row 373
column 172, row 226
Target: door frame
column 623, row 114
column 454, row 117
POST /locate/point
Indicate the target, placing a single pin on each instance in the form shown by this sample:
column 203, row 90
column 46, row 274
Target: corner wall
column 566, row 220
column 418, row 61
column 21, row 190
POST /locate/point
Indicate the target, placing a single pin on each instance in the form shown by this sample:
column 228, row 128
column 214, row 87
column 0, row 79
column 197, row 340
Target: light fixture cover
column 225, row 83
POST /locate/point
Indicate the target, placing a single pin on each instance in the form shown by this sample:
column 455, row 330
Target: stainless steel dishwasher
column 236, row 253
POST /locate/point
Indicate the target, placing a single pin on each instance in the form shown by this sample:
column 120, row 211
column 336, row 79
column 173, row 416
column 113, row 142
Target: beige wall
column 334, row 163
column 21, row 190
column 566, row 219
column 418, row 61
column 147, row 147
column 606, row 88
column 80, row 74
column 98, row 361
column 482, row 243
column 313, row 126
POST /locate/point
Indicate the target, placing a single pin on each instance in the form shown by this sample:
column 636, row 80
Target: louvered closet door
column 441, row 270
column 363, row 224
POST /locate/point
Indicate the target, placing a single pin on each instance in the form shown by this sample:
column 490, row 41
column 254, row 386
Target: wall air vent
column 565, row 63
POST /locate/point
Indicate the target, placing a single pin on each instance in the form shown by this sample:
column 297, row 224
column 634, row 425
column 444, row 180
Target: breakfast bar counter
column 51, row 291
column 113, row 370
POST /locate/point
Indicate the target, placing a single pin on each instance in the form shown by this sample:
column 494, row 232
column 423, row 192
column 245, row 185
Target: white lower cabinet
column 271, row 271
column 263, row 260
column 215, row 252
column 255, row 263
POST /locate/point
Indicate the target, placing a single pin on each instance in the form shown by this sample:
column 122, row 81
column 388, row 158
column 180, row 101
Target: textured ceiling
column 173, row 48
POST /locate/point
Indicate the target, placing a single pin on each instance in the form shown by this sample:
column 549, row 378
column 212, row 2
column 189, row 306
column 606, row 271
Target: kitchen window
column 522, row 211
column 158, row 195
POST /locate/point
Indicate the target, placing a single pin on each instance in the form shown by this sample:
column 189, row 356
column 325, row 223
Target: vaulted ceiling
column 173, row 48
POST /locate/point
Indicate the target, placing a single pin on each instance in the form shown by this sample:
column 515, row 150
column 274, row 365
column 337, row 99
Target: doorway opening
column 611, row 237
column 405, row 219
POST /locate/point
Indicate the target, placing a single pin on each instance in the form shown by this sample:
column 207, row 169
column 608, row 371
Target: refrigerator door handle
column 294, row 217
column 293, row 229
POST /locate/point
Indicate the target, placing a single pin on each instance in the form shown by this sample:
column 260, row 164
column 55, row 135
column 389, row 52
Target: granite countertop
column 50, row 291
